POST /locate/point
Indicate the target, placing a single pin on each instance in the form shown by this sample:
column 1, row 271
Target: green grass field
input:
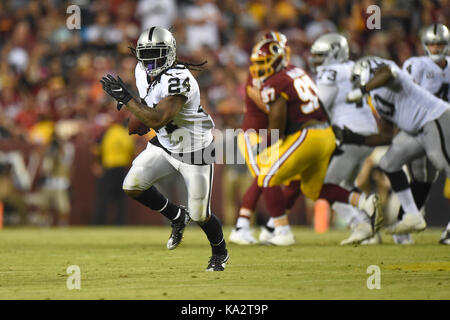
column 133, row 263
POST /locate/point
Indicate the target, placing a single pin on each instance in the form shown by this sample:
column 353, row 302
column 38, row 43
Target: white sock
column 281, row 224
column 350, row 214
column 281, row 220
column 407, row 201
column 270, row 223
column 358, row 218
column 282, row 229
column 362, row 198
column 243, row 222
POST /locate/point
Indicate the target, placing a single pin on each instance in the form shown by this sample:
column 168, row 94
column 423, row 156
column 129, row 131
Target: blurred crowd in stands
column 50, row 95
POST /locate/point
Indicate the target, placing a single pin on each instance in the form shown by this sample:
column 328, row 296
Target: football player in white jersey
column 403, row 103
column 170, row 104
column 330, row 61
column 431, row 72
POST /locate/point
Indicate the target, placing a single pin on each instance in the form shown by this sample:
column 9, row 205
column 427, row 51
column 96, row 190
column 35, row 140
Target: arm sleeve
column 402, row 77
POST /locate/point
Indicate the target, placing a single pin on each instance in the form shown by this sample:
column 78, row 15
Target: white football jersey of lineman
column 404, row 103
column 429, row 75
column 358, row 118
column 191, row 128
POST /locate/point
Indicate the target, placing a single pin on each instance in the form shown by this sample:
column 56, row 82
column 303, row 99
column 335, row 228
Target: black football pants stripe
column 211, row 171
column 442, row 140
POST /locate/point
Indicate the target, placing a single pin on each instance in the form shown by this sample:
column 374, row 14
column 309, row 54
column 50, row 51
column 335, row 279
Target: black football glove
column 116, row 89
column 347, row 136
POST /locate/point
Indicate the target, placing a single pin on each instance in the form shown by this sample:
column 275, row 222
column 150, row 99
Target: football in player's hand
column 135, row 126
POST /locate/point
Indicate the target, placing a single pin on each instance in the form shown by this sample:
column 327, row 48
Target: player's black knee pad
column 398, row 180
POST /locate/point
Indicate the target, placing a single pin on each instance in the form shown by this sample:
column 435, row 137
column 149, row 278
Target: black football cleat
column 178, row 230
column 217, row 262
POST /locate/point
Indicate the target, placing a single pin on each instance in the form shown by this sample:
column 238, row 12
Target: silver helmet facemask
column 155, row 50
column 436, row 34
column 328, row 49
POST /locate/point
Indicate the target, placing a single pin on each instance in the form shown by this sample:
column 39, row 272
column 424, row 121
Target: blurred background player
column 115, row 153
column 402, row 103
column 277, row 200
column 306, row 141
column 53, row 197
column 10, row 192
column 445, row 237
column 431, row 72
column 170, row 104
column 330, row 60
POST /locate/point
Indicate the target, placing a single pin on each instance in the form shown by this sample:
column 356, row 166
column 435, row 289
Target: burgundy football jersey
column 295, row 85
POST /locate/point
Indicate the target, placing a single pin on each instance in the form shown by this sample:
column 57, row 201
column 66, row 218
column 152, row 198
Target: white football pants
column 154, row 164
column 343, row 170
column 434, row 142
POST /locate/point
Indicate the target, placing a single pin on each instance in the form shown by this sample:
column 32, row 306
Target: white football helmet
column 436, row 34
column 156, row 50
column 328, row 49
column 363, row 70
